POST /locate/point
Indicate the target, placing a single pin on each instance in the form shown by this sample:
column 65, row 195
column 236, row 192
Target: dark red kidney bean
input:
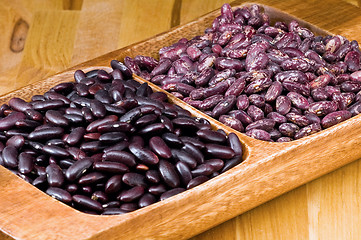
column 131, row 115
column 10, row 120
column 26, row 163
column 137, row 140
column 184, row 172
column 59, row 194
column 56, row 96
column 113, row 211
column 128, row 207
column 185, row 123
column 91, row 136
column 55, row 151
column 288, row 129
column 87, row 114
column 128, row 103
column 120, row 156
column 33, row 115
column 211, row 136
column 92, row 147
column 112, row 137
column 56, row 118
column 134, row 179
column 100, row 197
column 35, row 146
column 194, row 141
column 16, row 141
column 159, row 147
column 131, row 194
column 298, row 100
column 47, row 105
column 167, row 123
column 197, row 181
column 169, row 174
column 202, row 169
column 91, row 178
column 146, row 200
column 157, row 189
column 152, row 176
column 46, row 134
column 144, row 155
column 264, row 124
column 114, row 127
column 171, row 193
column 40, row 182
column 145, row 120
column 235, row 144
column 335, row 117
column 114, row 184
column 111, row 204
column 10, row 156
column 98, row 109
column 298, row 119
column 259, row 134
column 19, row 104
column 255, row 113
column 64, row 88
column 152, row 129
column 219, row 151
column 75, row 136
column 55, row 176
column 194, row 151
column 242, row 102
column 87, row 203
column 117, row 147
column 216, row 164
column 110, row 167
column 283, row 105
column 74, row 118
column 78, row 169
column 308, row 130
column 103, row 96
column 258, row 85
column 185, row 157
column 79, row 75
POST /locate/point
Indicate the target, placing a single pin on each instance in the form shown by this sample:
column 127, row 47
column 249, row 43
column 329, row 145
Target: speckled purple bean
column 288, row 129
column 259, row 134
column 335, row 117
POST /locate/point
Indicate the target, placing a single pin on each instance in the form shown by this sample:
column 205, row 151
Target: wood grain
column 328, row 207
column 41, row 56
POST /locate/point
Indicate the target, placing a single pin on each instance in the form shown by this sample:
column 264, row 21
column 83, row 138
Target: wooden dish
column 269, row 170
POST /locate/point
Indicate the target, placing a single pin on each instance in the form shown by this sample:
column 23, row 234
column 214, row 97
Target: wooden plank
column 41, row 54
column 98, row 29
column 191, row 9
column 15, row 19
column 150, row 18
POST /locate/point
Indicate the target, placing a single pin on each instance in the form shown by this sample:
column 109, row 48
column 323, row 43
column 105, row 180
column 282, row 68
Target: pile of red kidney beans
column 106, row 144
column 272, row 82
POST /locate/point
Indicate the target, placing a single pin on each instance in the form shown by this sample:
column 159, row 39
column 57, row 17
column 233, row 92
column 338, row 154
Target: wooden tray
column 270, row 169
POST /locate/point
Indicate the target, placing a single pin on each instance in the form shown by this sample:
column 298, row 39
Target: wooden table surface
column 40, row 38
